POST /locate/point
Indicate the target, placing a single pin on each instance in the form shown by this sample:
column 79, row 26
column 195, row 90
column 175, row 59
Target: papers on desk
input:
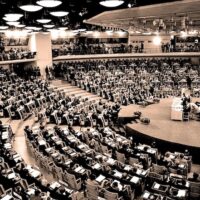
column 54, row 137
column 7, row 146
column 119, row 139
column 65, row 148
column 88, row 151
column 11, row 176
column 117, row 174
column 139, row 171
column 181, row 193
column 135, row 179
column 17, row 158
column 16, row 155
column 59, row 142
column 41, row 142
column 187, row 184
column 68, row 190
column 128, row 168
column 98, row 156
column 100, row 178
column 4, row 135
column 97, row 166
column 78, row 134
column 7, row 197
column 68, row 162
column 54, row 154
column 151, row 151
column 78, row 169
column 110, row 161
column 156, row 186
column 146, row 195
column 48, row 149
column 71, row 138
column 55, row 185
column 140, row 147
column 31, row 191
column 81, row 146
column 34, row 173
column 73, row 154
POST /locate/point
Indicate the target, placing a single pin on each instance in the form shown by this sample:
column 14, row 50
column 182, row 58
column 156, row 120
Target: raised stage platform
column 168, row 134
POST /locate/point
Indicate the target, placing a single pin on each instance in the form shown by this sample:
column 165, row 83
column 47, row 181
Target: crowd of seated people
column 22, row 98
column 101, row 161
column 83, row 49
column 16, row 54
column 76, row 48
column 187, row 48
column 19, row 181
column 138, row 81
column 180, row 46
column 27, row 71
column 106, row 160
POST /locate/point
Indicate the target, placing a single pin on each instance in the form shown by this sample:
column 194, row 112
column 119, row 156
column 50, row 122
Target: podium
column 177, row 109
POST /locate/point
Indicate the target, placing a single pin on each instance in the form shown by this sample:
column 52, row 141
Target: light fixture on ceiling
column 37, row 28
column 12, row 23
column 30, row 27
column 59, row 13
column 48, row 25
column 10, row 19
column 30, row 8
column 20, row 25
column 43, row 21
column 49, row 3
column 111, row 3
column 3, row 27
column 13, row 15
column 63, row 28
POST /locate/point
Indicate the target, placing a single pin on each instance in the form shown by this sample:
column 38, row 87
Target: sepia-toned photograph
column 99, row 99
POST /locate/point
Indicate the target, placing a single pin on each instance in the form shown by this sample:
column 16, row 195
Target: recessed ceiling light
column 59, row 13
column 48, row 25
column 37, row 29
column 20, row 25
column 49, row 3
column 43, row 21
column 10, row 19
column 3, row 27
column 30, row 8
column 111, row 3
column 12, row 23
column 63, row 28
column 13, row 15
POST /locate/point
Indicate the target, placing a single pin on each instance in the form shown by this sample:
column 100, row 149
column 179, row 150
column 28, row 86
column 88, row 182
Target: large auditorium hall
column 99, row 99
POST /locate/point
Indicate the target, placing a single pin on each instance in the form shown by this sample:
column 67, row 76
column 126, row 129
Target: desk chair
column 73, row 182
column 92, row 191
column 120, row 157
